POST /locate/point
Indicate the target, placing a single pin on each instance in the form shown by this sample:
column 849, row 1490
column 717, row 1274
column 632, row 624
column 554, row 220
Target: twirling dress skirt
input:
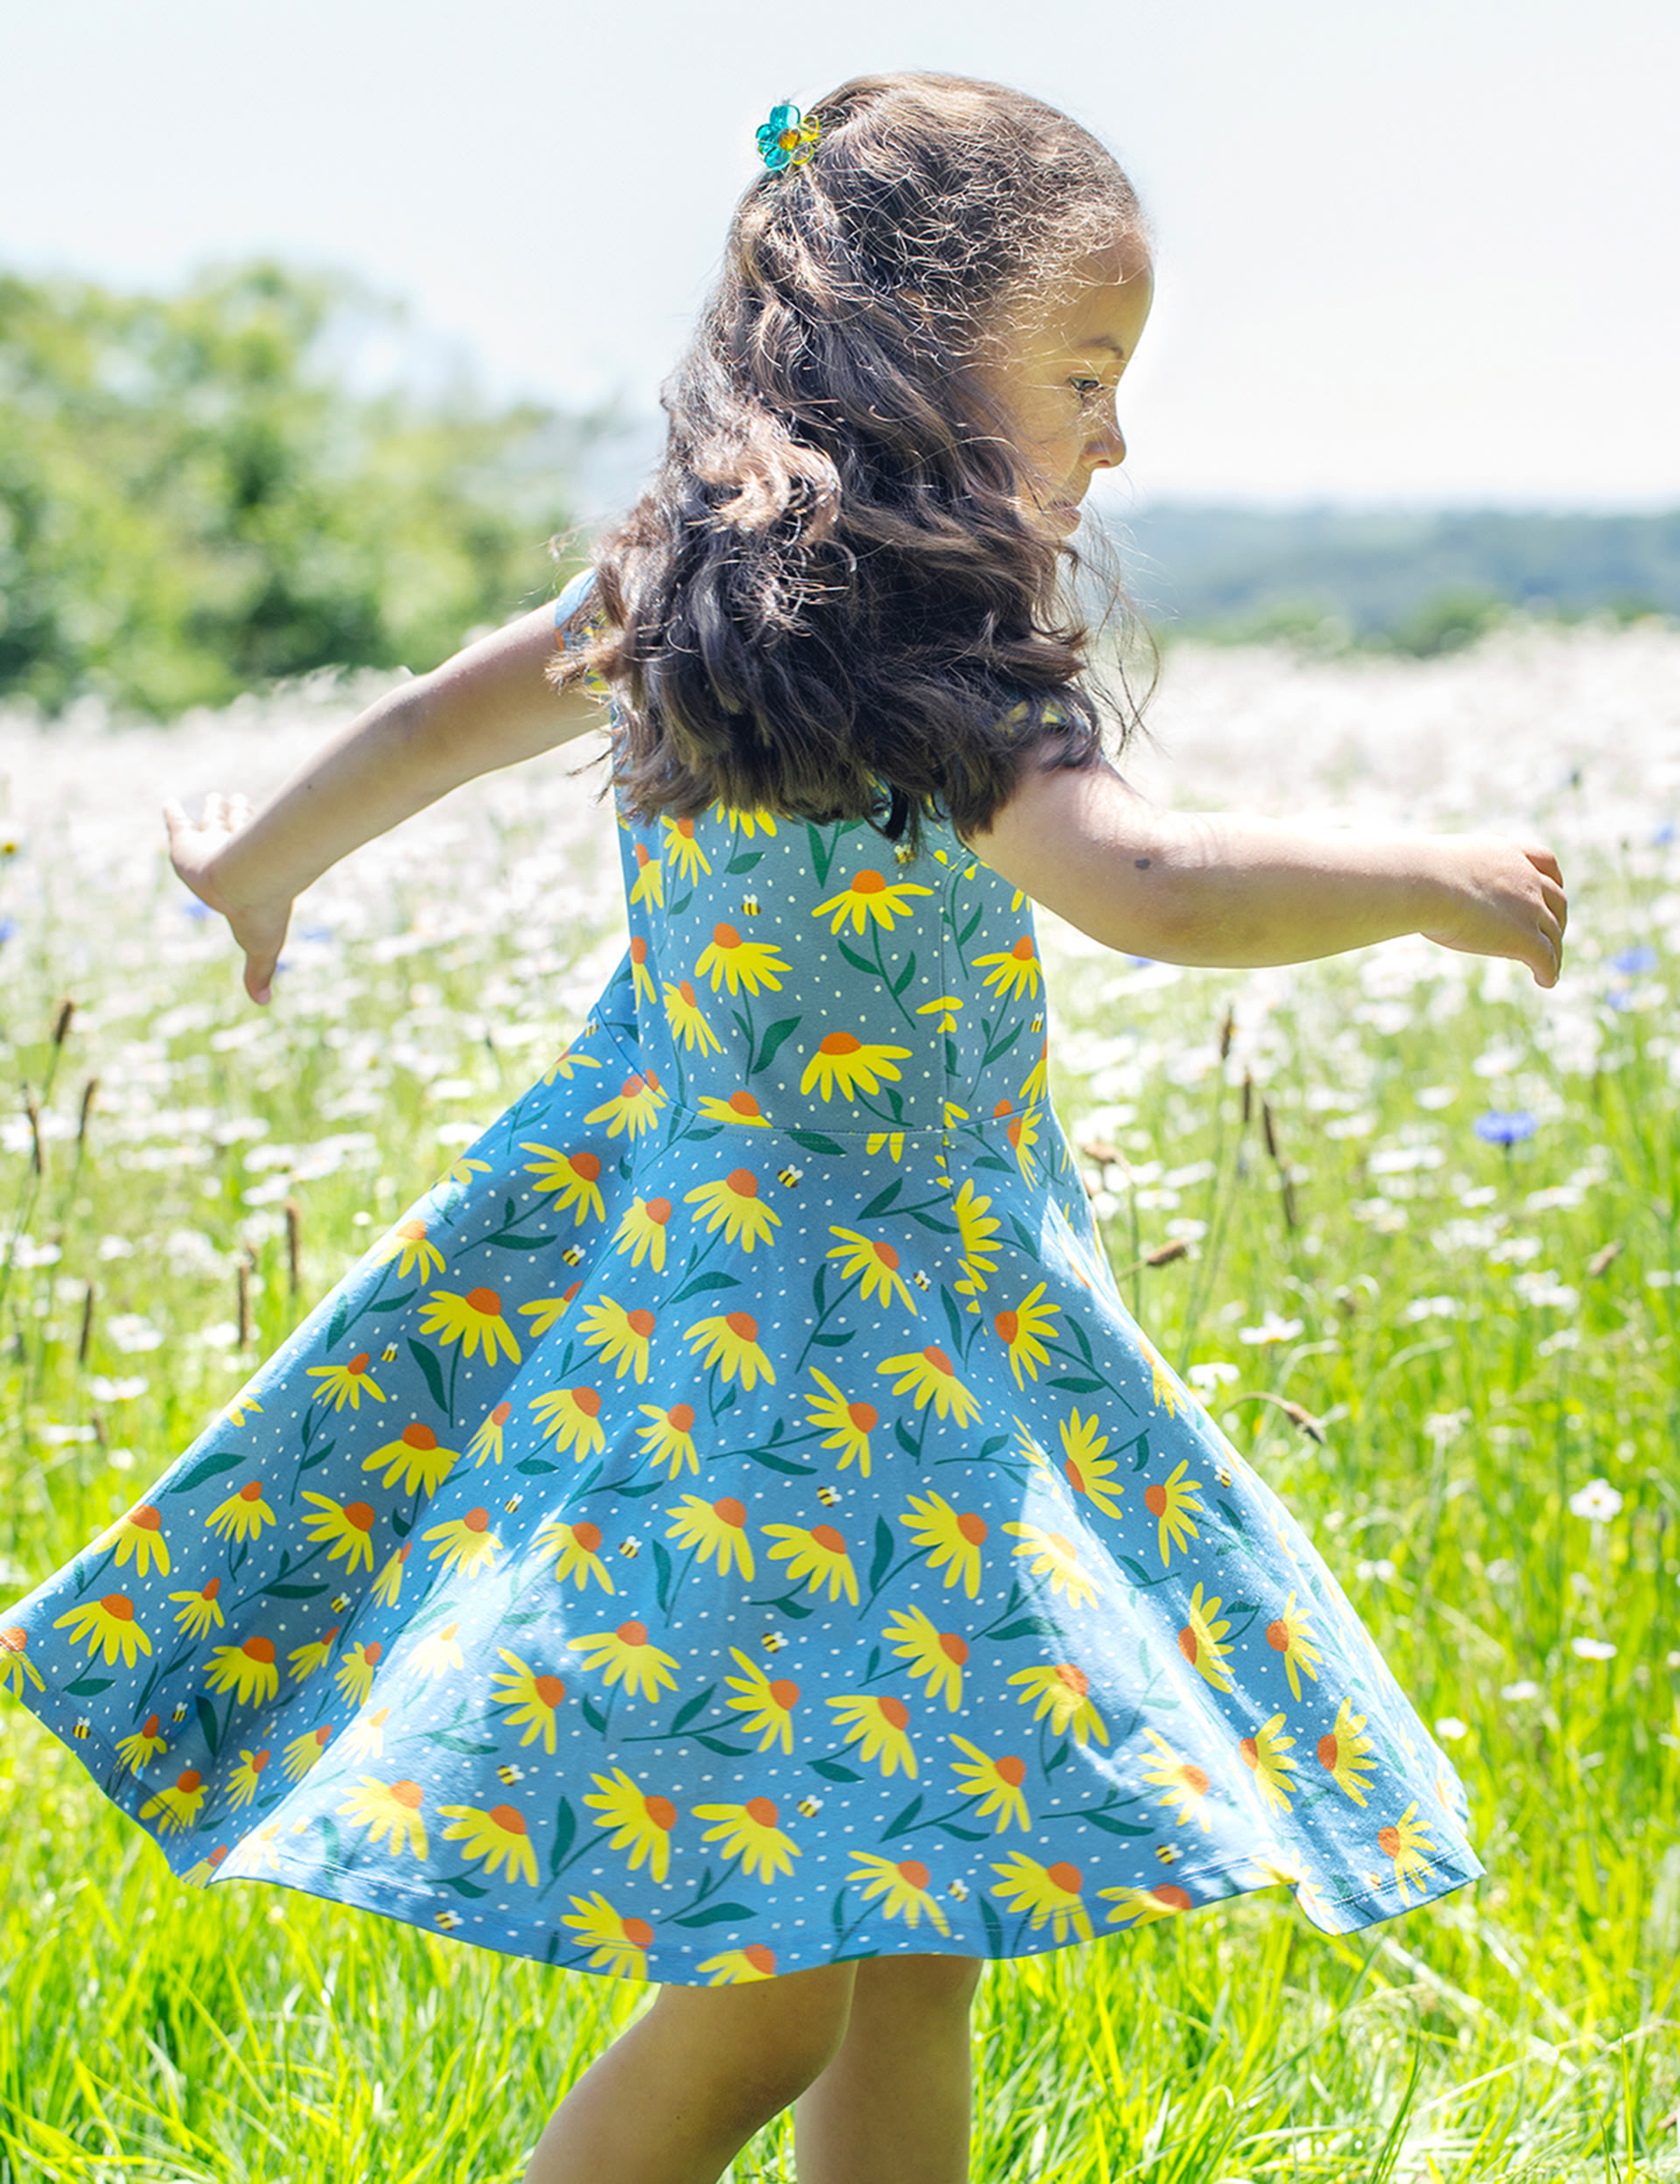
column 733, row 1521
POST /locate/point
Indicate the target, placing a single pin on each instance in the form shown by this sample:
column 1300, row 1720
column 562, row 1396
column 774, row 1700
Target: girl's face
column 1057, row 374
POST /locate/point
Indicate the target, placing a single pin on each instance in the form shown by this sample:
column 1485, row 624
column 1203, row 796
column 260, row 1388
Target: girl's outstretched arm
column 1232, row 893
column 489, row 706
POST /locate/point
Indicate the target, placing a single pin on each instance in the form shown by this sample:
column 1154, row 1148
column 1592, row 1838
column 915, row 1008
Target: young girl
column 730, row 1532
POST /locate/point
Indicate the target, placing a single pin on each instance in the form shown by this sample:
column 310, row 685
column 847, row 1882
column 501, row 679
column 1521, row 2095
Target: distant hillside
column 1421, row 581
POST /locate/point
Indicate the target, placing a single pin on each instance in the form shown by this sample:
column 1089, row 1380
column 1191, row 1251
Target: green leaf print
column 775, row 1036
column 703, row 1284
column 292, row 1592
column 535, row 1467
column 1108, row 1824
column 994, row 1927
column 822, row 852
column 905, row 976
column 593, row 1715
column 881, row 1561
column 690, row 1709
column 743, row 861
column 89, row 1686
column 882, row 1200
column 857, row 962
column 461, row 1885
column 335, row 1326
column 471, row 1745
column 565, row 1826
column 1075, row 1385
column 219, row 1459
column 834, row 1771
column 662, row 1565
column 723, row 1750
column 207, row 1723
column 814, row 1141
column 903, row 1822
column 713, row 1912
column 426, row 1359
column 834, row 1341
column 1024, row 1627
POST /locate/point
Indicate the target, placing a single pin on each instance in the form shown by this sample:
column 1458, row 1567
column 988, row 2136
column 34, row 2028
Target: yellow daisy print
column 843, row 1062
column 390, row 1809
column 1186, row 1784
column 498, row 1834
column 575, row 1179
column 940, row 1655
column 1022, row 1333
column 870, row 898
column 1054, row 1557
column 1171, row 1502
column 846, row 1425
column 734, row 1203
column 1051, row 1894
column 902, row 1887
column 1087, row 1470
column 743, row 966
column 1289, row 1635
column 1200, row 1641
column 641, row 1820
column 716, row 1531
column 749, row 1832
column 997, row 1784
column 1266, row 1755
column 872, row 1264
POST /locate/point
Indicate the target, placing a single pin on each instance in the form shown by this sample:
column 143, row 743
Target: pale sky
column 1406, row 252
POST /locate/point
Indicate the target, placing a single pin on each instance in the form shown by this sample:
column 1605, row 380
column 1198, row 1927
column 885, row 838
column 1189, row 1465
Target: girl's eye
column 1086, row 389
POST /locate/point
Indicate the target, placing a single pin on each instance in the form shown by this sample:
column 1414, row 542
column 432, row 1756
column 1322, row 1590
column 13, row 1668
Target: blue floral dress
column 733, row 1521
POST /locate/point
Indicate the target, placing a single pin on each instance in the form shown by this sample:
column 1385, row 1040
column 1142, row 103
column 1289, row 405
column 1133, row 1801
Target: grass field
column 1481, row 1337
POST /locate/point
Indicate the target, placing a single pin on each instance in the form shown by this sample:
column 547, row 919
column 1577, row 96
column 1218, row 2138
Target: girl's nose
column 1108, row 449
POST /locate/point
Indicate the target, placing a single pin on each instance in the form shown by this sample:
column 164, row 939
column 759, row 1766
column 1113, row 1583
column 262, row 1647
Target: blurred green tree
column 194, row 501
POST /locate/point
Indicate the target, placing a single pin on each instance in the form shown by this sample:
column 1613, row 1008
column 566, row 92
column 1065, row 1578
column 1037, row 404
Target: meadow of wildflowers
column 1409, row 1223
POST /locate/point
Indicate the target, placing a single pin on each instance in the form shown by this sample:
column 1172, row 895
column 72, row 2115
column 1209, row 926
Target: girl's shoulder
column 574, row 596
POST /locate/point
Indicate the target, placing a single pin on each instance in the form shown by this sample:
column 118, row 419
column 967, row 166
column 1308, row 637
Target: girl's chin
column 1062, row 515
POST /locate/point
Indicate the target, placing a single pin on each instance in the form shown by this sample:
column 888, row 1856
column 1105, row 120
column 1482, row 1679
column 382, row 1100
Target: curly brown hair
column 831, row 601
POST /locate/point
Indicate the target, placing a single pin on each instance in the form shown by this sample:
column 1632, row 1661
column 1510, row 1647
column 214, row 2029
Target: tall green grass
column 1527, row 2029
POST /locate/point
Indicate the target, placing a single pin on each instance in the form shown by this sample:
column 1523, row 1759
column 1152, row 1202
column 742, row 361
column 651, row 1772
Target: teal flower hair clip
column 786, row 140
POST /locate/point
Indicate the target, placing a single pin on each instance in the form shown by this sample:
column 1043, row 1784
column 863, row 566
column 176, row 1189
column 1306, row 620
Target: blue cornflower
column 1633, row 963
column 1663, row 836
column 7, row 926
column 194, row 909
column 1496, row 1128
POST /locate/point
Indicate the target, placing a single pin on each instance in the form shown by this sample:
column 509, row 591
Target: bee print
column 510, row 1774
column 904, row 855
column 1167, row 1852
column 388, row 1355
column 513, row 1502
column 573, row 1255
column 630, row 1548
column 810, row 1807
column 790, row 1175
column 827, row 1495
column 750, row 903
column 179, row 1713
column 81, row 1726
column 339, row 1602
column 959, row 1889
column 1038, row 1022
column 446, row 1921
column 920, row 1280
column 1223, row 1475
column 774, row 1641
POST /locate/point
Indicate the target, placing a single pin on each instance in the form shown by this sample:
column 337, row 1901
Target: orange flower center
column 730, row 1511
column 251, row 1491
column 1188, row 1645
column 118, row 1606
column 15, row 1638
column 151, row 1721
column 476, row 1520
column 360, row 1363
column 658, row 1210
column 743, row 1182
column 414, row 1231
column 1002, row 1109
column 1075, row 1476
column 1250, row 1752
column 585, row 1166
column 972, row 1528
column 840, row 1043
column 419, row 1436
column 828, row 1539
column 486, row 1301
column 1012, row 1770
column 685, row 828
column 501, row 1415
column 953, row 1648
column 1195, row 1778
column 585, row 1400
column 361, row 1514
column 587, row 1536
column 637, row 1932
column 760, row 1810
column 549, row 1689
column 888, row 1256
column 631, row 1086
column 1155, row 1499
column 638, row 950
column 188, row 1779
column 680, row 1417
column 785, row 1692
column 145, row 1518
column 868, row 883
column 640, row 1322
column 1075, row 1679
column 744, row 1103
column 759, row 1957
column 373, row 1652
column 1007, row 1324
column 1329, row 1751
column 1388, row 1841
column 937, row 1359
column 686, row 990
column 632, row 1633
column 894, row 1711
column 913, row 1871
column 408, row 1793
column 1022, row 950
column 259, row 1649
column 212, row 1588
column 863, row 1416
column 1278, row 1636
column 1172, row 1895
column 508, row 1818
column 724, row 936
column 661, row 1811
column 744, row 1324
column 1063, row 1876
column 642, row 855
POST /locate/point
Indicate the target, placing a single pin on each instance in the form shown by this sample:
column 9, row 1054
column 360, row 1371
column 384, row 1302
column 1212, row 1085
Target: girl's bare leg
column 675, row 2097
column 893, row 2105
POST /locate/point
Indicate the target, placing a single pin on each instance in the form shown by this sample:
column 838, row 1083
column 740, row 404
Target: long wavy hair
column 832, row 600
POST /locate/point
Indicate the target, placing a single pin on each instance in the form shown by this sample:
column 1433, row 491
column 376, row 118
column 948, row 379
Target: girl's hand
column 1502, row 897
column 259, row 923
